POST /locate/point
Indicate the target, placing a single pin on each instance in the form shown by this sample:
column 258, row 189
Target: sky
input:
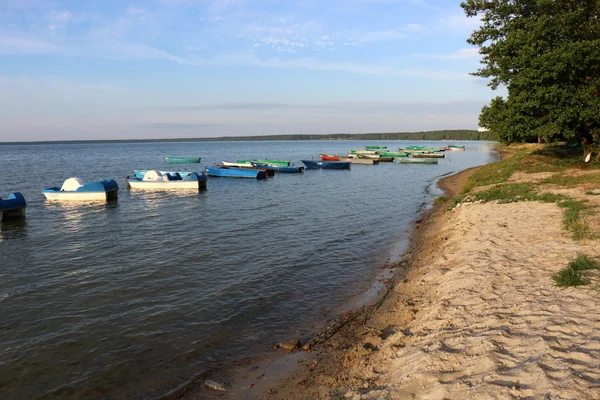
column 119, row 69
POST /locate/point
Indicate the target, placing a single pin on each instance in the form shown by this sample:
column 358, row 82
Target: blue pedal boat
column 13, row 206
column 314, row 164
column 235, row 172
column 75, row 189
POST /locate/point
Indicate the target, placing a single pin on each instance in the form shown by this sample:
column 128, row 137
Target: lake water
column 128, row 300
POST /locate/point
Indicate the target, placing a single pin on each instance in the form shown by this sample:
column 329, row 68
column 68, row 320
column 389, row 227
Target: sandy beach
column 472, row 314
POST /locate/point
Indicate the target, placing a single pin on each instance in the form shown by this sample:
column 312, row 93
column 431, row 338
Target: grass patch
column 576, row 273
column 573, row 219
column 440, row 200
column 570, row 181
column 510, row 193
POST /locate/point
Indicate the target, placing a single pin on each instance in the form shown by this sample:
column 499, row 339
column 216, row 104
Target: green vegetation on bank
column 492, row 182
column 461, row 134
column 546, row 53
column 577, row 273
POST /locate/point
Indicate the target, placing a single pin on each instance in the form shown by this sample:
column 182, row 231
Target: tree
column 547, row 54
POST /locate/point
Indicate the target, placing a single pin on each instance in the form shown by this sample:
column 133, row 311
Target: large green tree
column 547, row 54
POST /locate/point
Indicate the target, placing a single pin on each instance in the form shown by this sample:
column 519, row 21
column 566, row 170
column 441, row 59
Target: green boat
column 375, row 147
column 415, row 147
column 418, row 160
column 430, row 155
column 182, row 160
column 278, row 163
column 393, row 154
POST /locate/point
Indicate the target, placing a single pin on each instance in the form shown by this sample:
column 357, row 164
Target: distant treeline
column 429, row 135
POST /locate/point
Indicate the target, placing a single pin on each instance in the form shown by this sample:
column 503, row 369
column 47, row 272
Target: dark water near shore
column 127, row 300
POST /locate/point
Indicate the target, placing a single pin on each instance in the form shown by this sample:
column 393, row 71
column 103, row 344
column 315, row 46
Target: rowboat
column 182, row 159
column 75, row 189
column 282, row 168
column 455, row 147
column 156, row 180
column 13, row 206
column 313, row 164
column 356, row 160
column 375, row 147
column 267, row 168
column 430, row 155
column 227, row 172
column 267, row 162
column 354, row 151
column 393, row 154
column 417, row 160
column 369, row 156
column 329, row 157
column 237, row 164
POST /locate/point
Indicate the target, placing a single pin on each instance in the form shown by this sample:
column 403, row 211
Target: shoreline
column 473, row 314
column 267, row 376
column 259, row 376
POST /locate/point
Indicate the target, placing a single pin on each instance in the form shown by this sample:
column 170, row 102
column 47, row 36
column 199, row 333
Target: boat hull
column 74, row 189
column 13, row 207
column 81, row 196
column 182, row 160
column 433, row 155
column 417, row 161
column 329, row 157
column 312, row 164
column 135, row 183
column 235, row 172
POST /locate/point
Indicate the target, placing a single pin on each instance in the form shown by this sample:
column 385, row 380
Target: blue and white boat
column 13, row 206
column 235, row 172
column 139, row 173
column 75, row 189
column 318, row 164
column 157, row 180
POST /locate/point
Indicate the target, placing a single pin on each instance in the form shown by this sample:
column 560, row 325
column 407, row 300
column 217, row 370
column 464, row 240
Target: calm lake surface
column 128, row 300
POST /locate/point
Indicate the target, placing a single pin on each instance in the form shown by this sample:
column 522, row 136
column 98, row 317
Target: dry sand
column 474, row 314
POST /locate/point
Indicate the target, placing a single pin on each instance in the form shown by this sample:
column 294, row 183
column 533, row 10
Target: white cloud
column 461, row 54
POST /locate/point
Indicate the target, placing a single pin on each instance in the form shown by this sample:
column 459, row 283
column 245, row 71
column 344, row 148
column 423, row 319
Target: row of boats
column 75, row 189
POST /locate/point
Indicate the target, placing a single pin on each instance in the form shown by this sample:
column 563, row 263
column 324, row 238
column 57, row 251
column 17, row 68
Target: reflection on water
column 13, row 229
column 128, row 299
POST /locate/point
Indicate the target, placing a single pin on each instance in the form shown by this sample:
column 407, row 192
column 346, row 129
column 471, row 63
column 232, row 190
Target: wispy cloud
column 461, row 54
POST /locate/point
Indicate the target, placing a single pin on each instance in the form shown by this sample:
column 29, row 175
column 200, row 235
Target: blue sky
column 206, row 68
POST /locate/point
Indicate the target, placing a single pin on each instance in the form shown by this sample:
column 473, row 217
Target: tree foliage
column 547, row 54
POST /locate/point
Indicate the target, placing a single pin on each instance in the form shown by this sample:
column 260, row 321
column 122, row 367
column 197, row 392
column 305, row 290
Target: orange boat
column 328, row 157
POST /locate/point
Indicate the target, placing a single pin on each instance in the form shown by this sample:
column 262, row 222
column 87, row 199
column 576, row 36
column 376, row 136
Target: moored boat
column 375, row 147
column 329, row 157
column 267, row 162
column 75, row 189
column 393, row 154
column 429, row 155
column 139, row 173
column 454, row 147
column 411, row 160
column 13, row 207
column 237, row 164
column 282, row 168
column 363, row 161
column 227, row 172
column 182, row 159
column 314, row 164
column 156, row 180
